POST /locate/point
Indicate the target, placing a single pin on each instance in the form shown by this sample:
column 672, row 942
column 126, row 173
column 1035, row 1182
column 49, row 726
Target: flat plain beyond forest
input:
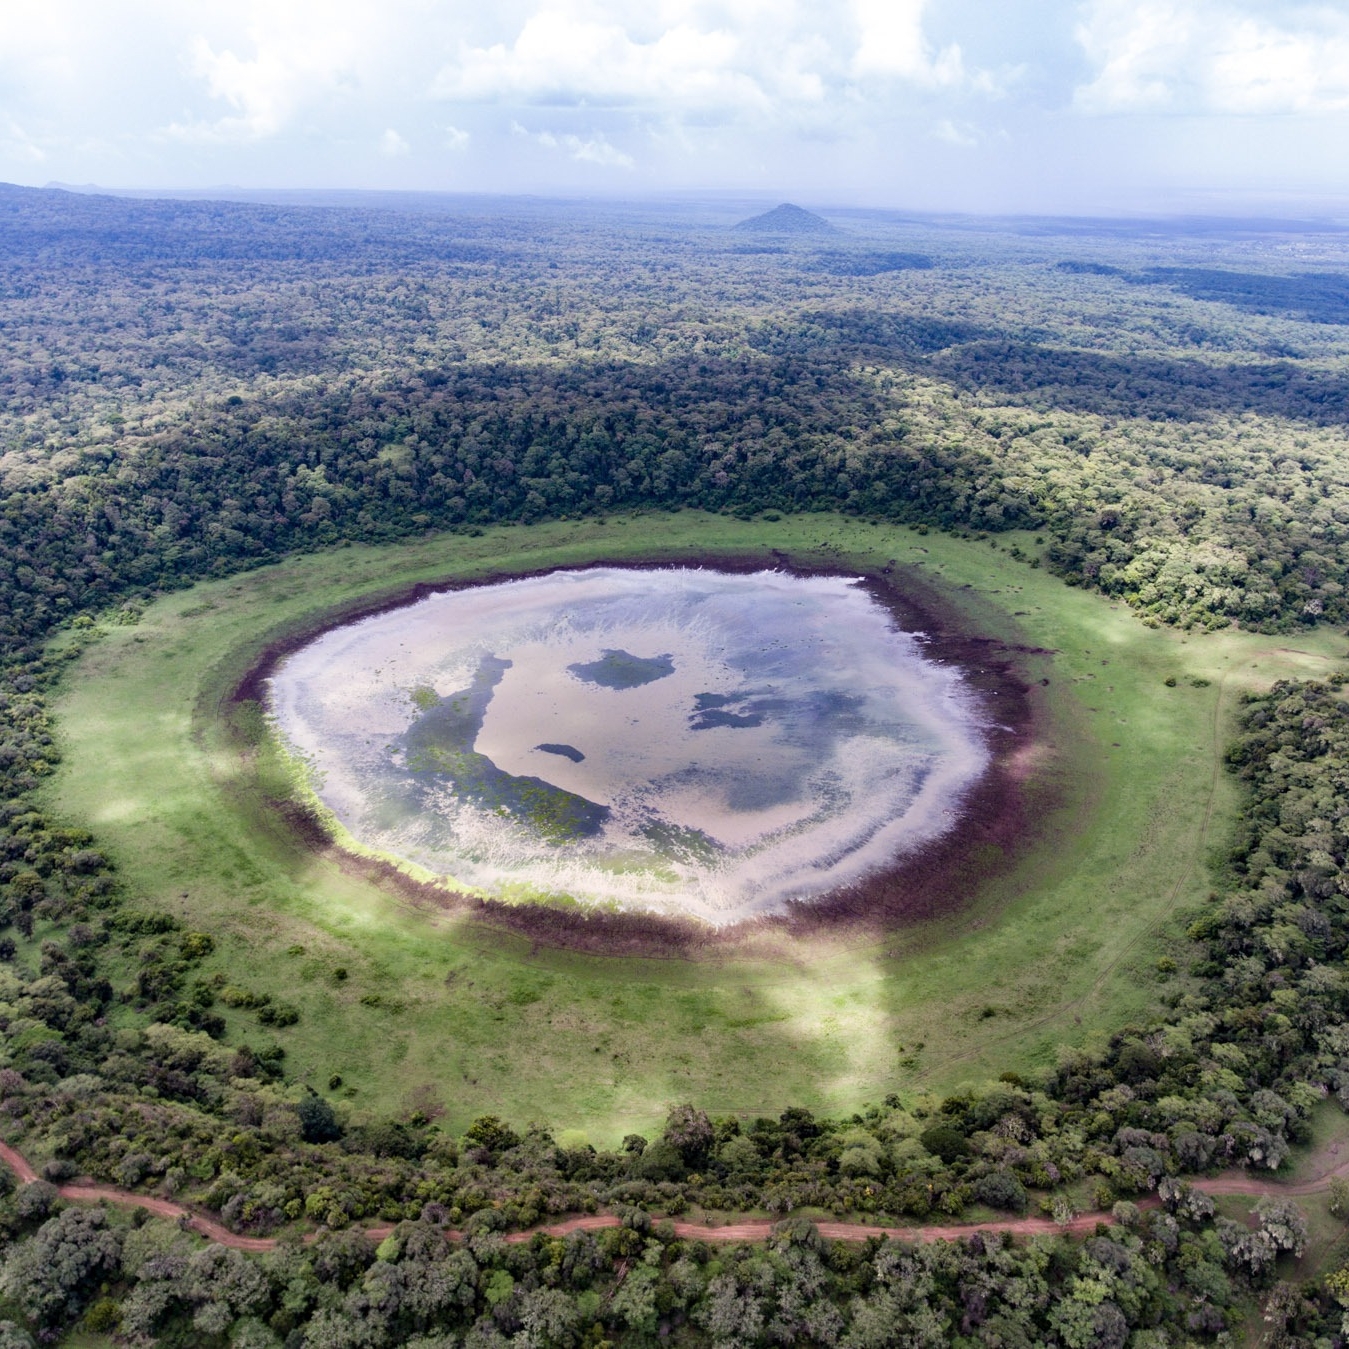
column 1057, row 950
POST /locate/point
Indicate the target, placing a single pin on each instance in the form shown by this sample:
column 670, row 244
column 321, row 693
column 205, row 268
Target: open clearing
column 440, row 1007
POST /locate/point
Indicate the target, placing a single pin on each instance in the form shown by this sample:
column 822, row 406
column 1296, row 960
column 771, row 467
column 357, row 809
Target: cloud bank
column 1215, row 58
column 992, row 104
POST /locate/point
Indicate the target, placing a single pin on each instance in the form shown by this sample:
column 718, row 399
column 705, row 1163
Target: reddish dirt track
column 756, row 1230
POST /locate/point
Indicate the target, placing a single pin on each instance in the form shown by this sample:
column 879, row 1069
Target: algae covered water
column 689, row 741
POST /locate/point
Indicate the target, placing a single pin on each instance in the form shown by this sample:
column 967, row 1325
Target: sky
column 1054, row 106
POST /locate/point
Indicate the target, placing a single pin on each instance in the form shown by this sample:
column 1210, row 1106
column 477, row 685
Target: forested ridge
column 190, row 389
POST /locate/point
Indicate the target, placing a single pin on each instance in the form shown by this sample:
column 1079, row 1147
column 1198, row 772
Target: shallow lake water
column 694, row 742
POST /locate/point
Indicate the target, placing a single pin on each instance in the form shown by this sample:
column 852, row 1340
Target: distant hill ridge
column 787, row 219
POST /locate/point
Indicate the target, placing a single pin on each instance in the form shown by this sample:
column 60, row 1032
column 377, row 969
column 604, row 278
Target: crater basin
column 694, row 742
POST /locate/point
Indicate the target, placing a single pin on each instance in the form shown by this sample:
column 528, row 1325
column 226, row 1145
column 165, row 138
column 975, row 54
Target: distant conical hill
column 787, row 219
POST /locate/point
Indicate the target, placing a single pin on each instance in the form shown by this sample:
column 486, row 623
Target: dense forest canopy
column 196, row 384
column 189, row 388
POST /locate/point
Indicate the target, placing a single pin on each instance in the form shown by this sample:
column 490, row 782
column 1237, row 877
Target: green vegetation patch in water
column 439, row 750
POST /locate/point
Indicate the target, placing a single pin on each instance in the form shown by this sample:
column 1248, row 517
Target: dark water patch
column 566, row 751
column 449, row 726
column 750, row 791
column 812, row 722
column 714, row 710
column 623, row 670
column 706, row 700
column 681, row 843
column 826, row 714
column 716, row 718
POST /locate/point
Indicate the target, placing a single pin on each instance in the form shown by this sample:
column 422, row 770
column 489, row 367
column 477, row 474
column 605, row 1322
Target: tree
column 1283, row 1223
column 945, row 1142
column 1001, row 1189
column 662, row 1160
column 691, row 1134
column 490, row 1133
column 51, row 1274
column 1339, row 1197
column 36, row 1199
column 318, row 1120
column 223, row 1285
column 729, row 1314
column 549, row 1319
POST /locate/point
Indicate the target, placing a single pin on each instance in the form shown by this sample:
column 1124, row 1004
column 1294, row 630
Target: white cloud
column 891, row 41
column 559, row 57
column 16, row 143
column 295, row 53
column 948, row 131
column 392, row 145
column 1214, row 56
column 850, row 99
column 285, row 90
column 706, row 61
column 255, row 88
column 593, row 149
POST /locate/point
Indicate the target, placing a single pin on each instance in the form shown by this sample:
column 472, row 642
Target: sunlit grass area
column 410, row 1004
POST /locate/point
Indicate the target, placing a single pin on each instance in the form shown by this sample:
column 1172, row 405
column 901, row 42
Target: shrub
column 234, row 996
column 196, row 945
column 1002, row 1190
column 103, row 1316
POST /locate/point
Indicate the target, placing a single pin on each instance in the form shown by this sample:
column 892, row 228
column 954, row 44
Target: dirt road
column 756, row 1230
